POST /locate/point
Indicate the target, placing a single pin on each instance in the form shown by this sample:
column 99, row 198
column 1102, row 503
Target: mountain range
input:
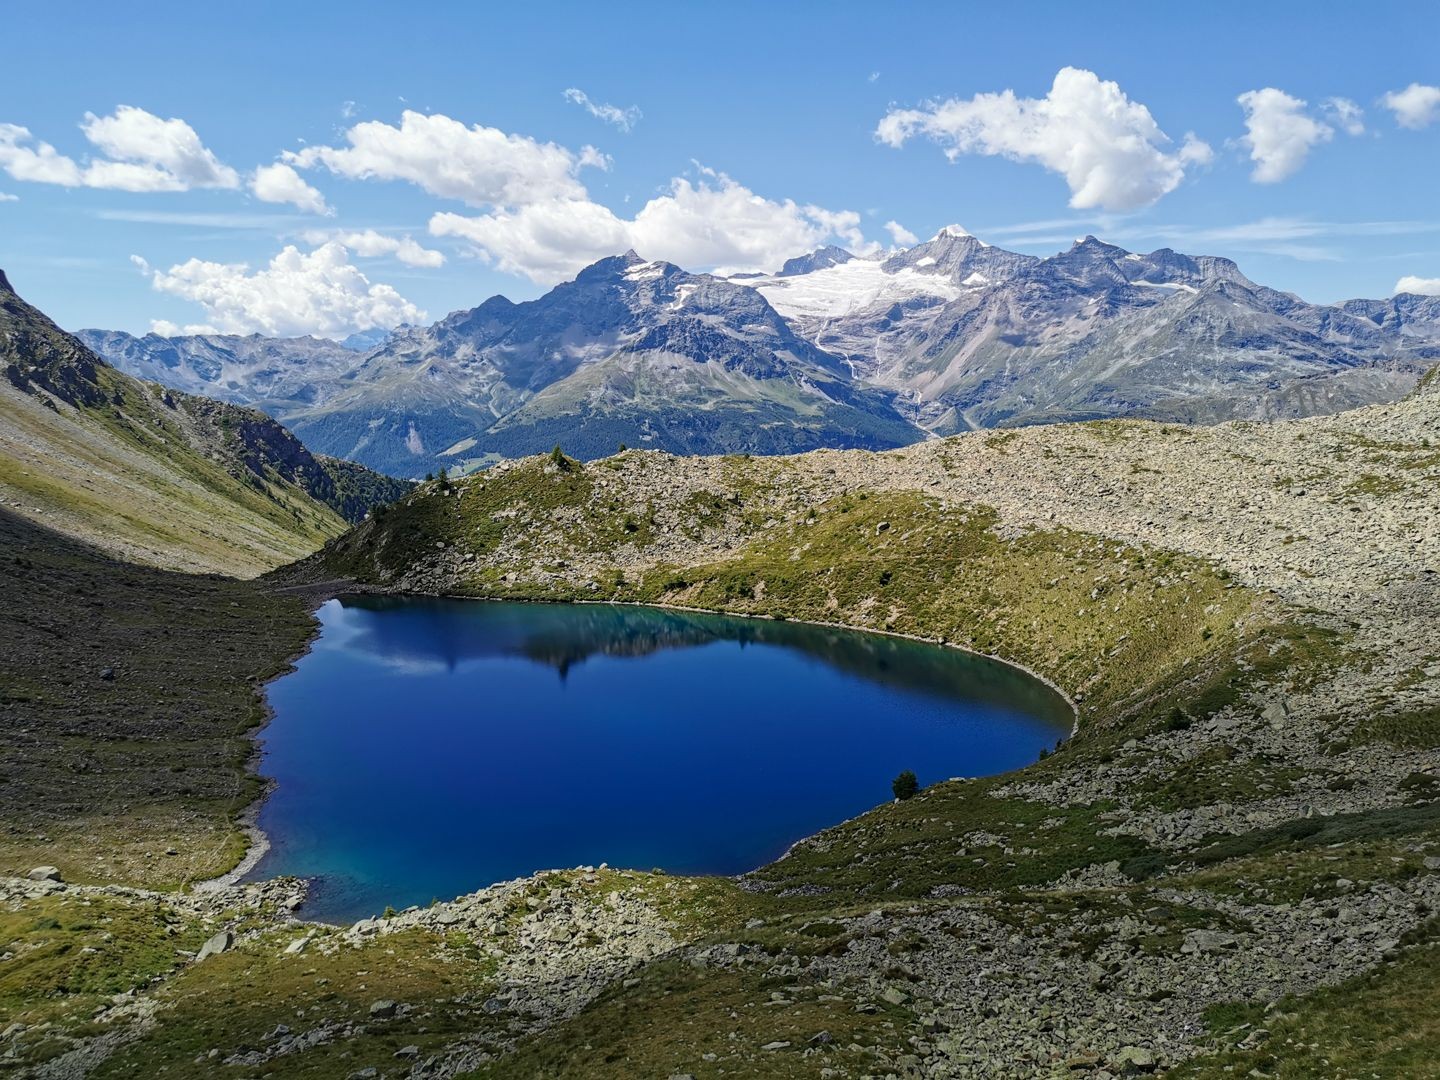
column 832, row 350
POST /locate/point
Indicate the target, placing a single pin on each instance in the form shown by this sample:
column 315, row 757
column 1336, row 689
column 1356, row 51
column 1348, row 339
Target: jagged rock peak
column 820, row 259
column 611, row 265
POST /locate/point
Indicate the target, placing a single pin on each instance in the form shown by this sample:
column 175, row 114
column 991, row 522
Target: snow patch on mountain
column 850, row 287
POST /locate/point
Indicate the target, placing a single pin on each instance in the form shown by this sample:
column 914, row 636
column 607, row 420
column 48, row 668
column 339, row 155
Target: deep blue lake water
column 427, row 748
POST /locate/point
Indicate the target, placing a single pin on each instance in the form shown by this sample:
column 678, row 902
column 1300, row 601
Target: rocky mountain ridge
column 950, row 334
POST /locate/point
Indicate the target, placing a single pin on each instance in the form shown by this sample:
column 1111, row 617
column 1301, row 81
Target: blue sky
column 753, row 130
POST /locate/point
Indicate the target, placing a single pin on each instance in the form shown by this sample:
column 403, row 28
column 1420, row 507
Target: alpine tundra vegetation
column 723, row 395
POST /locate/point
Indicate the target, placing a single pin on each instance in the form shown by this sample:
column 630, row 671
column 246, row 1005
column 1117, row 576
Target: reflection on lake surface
column 426, row 748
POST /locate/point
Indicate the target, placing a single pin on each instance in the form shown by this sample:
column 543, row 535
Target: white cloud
column 370, row 244
column 1279, row 133
column 5, row 196
column 144, row 149
column 144, row 153
column 1305, row 239
column 715, row 223
column 539, row 220
column 1108, row 148
column 1416, row 106
column 1346, row 115
column 40, row 164
column 625, row 119
column 846, row 225
column 900, row 235
column 279, row 183
column 315, row 292
column 478, row 165
column 545, row 242
column 874, row 76
column 1424, row 286
column 191, row 219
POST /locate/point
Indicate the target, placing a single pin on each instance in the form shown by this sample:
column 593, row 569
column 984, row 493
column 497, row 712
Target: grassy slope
column 100, row 472
column 1151, row 640
column 157, row 476
column 139, row 777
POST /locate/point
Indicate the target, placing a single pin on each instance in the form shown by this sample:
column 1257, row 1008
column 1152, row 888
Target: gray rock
column 1133, row 1060
column 216, row 945
column 44, row 873
column 383, row 1009
column 1207, row 941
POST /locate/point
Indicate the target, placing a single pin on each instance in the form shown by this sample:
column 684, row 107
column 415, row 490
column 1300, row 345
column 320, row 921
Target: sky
column 324, row 168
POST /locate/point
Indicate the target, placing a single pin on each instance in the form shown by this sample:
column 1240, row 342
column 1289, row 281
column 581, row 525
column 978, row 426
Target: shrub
column 905, row 785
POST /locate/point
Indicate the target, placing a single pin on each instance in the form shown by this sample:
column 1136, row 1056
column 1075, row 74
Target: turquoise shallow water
column 426, row 748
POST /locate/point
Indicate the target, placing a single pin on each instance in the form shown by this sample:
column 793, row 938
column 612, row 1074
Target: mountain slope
column 630, row 351
column 832, row 350
column 154, row 475
column 1254, row 764
column 277, row 375
column 978, row 337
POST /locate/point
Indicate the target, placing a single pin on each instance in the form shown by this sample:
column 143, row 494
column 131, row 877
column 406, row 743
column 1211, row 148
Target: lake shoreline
column 1037, row 709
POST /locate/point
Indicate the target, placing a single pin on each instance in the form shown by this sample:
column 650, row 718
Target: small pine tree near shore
column 905, row 785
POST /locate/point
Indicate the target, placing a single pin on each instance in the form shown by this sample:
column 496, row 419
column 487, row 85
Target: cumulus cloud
column 712, row 223
column 144, row 149
column 539, row 220
column 280, row 183
column 370, row 244
column 5, row 196
column 39, row 163
column 624, row 119
column 143, row 152
column 1108, row 148
column 479, row 165
column 316, row 292
column 1416, row 106
column 1346, row 115
column 901, row 236
column 1278, row 133
column 1424, row 286
column 844, row 224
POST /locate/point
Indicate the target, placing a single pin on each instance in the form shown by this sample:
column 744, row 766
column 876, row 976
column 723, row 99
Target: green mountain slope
column 1243, row 834
column 153, row 475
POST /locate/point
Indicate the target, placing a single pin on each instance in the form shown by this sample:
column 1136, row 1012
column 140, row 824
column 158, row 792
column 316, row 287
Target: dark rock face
column 819, row 259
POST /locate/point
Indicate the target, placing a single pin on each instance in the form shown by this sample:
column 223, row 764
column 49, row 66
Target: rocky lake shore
column 1231, row 869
